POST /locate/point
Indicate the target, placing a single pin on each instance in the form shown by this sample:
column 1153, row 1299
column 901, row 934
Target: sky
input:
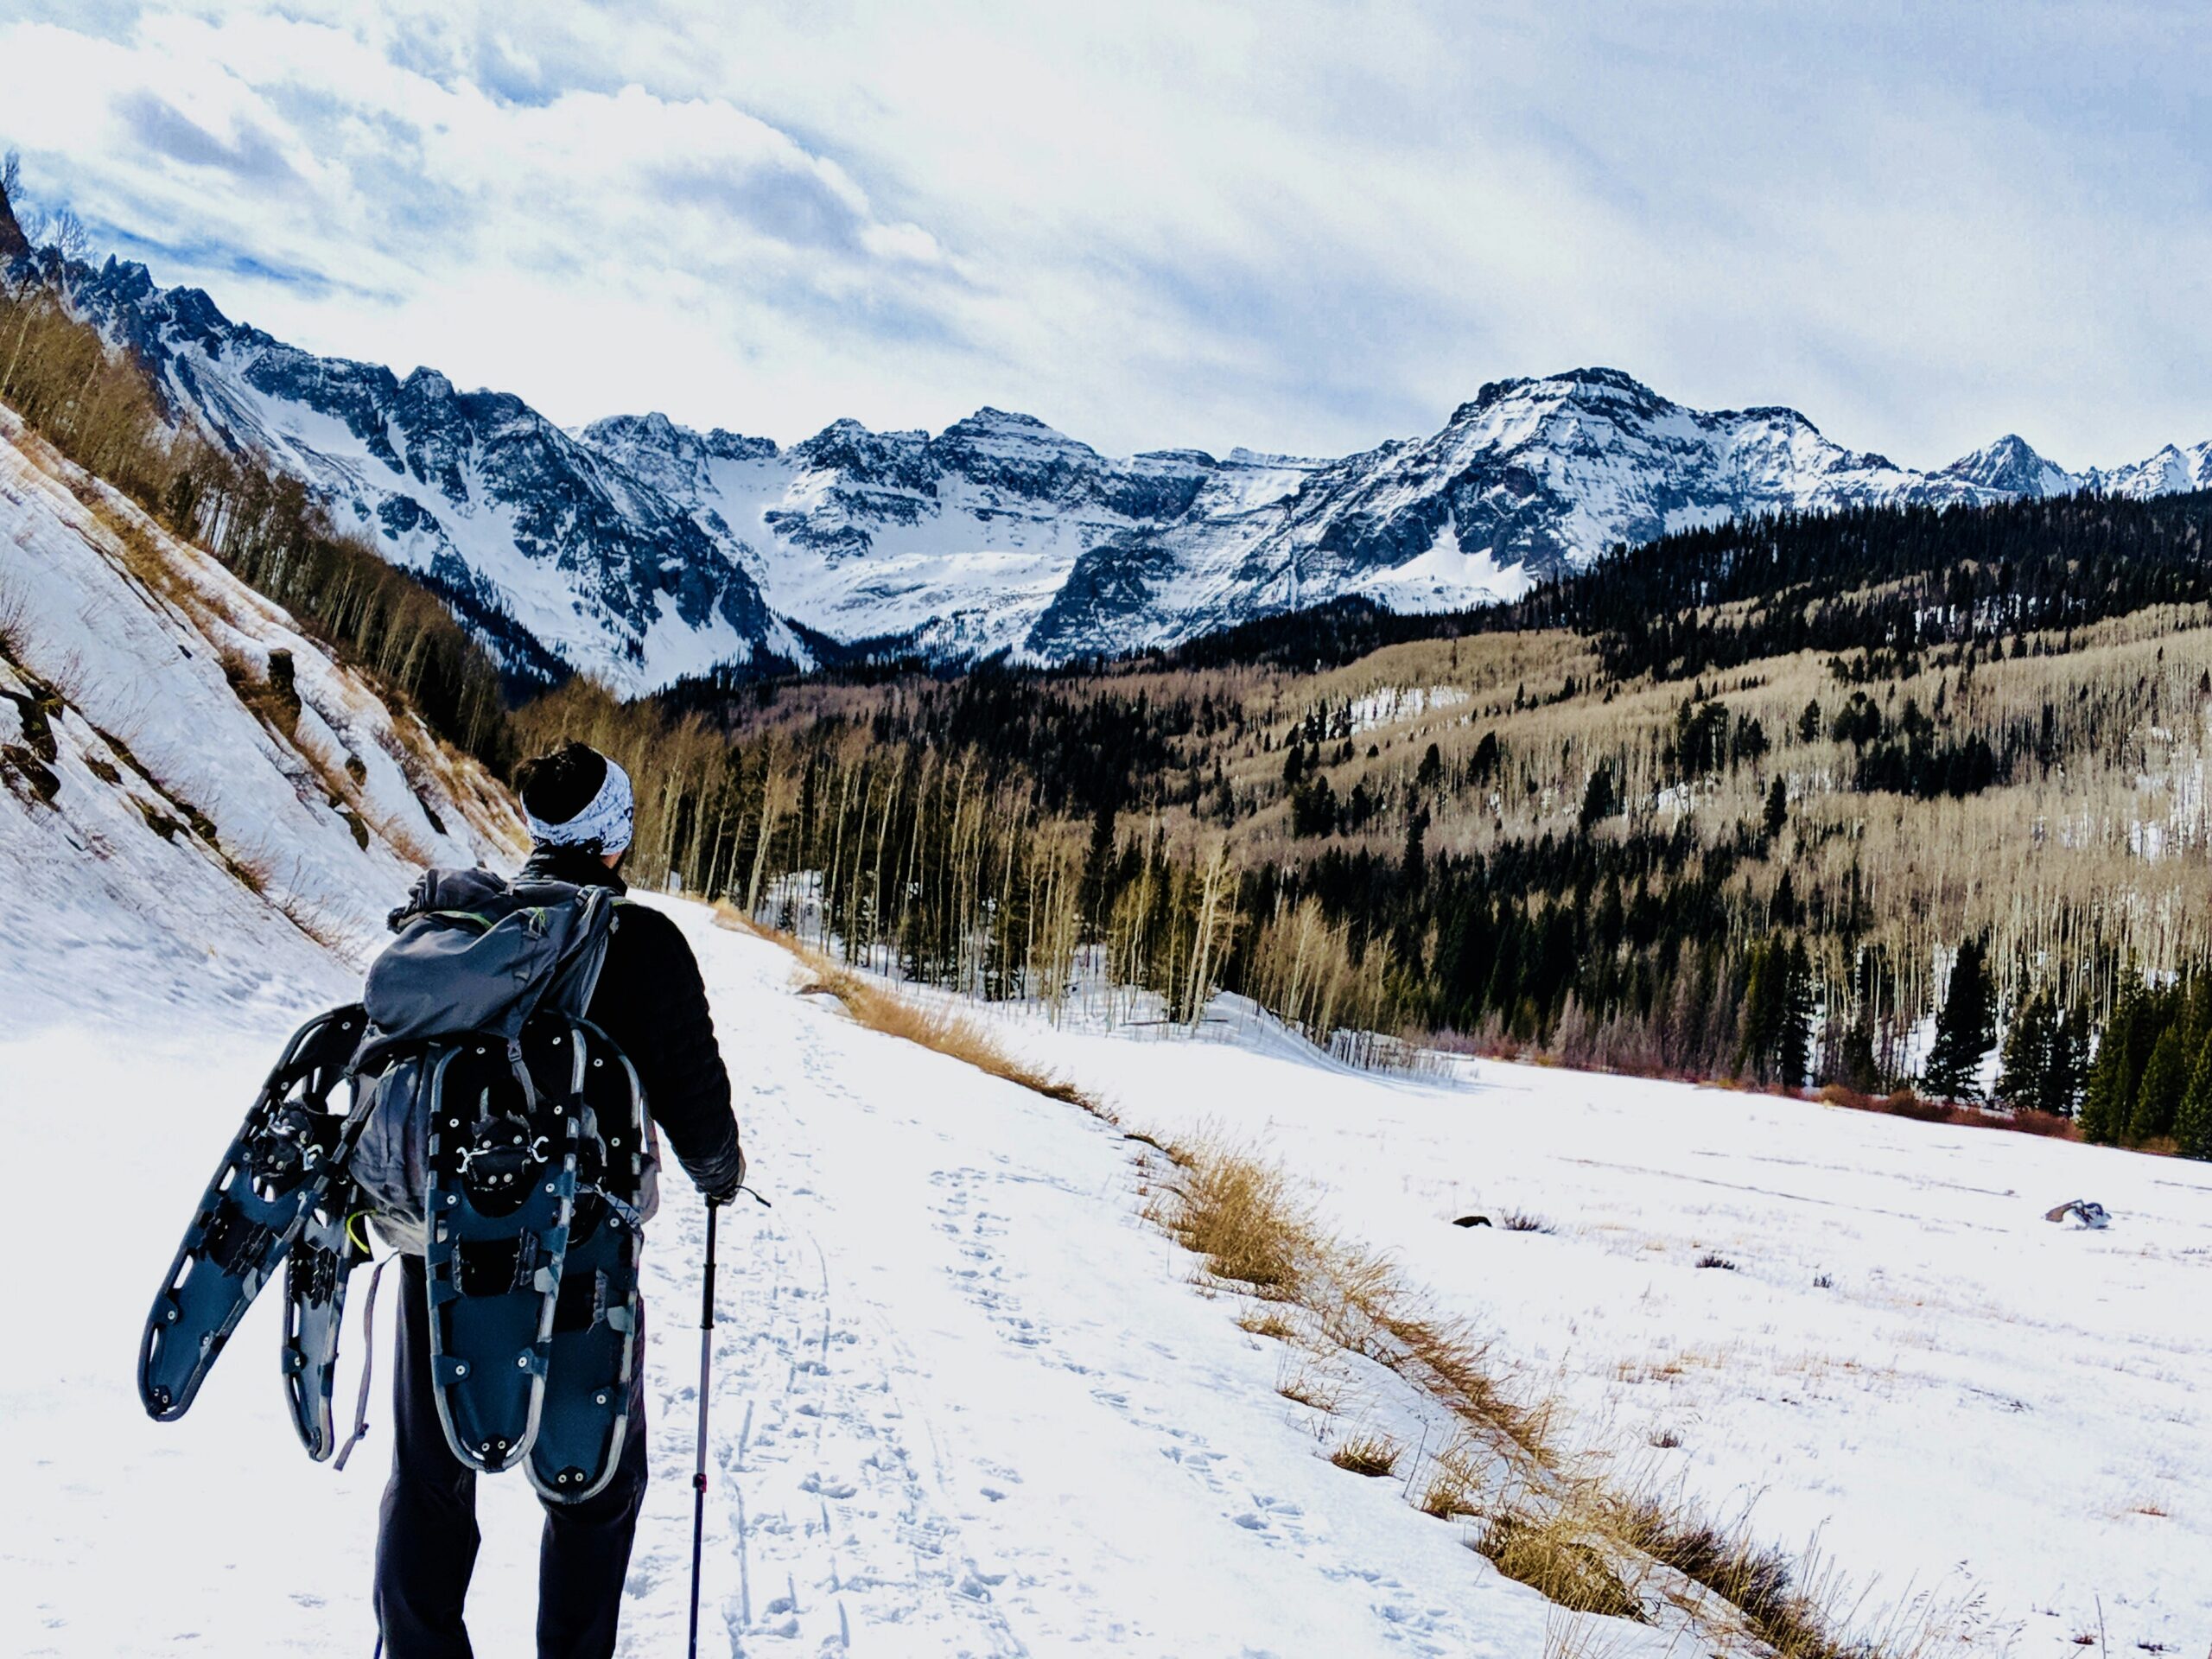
column 1292, row 226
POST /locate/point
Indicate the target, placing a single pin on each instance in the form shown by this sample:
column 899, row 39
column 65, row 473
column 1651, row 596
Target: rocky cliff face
column 640, row 550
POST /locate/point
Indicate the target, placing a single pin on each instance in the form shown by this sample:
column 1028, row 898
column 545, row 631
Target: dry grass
column 1240, row 1216
column 1306, row 1387
column 1267, row 1322
column 1554, row 1553
column 1370, row 1454
column 1450, row 1494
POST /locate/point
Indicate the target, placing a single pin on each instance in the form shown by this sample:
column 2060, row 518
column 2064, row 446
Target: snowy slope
column 146, row 801
column 2002, row 1416
column 641, row 551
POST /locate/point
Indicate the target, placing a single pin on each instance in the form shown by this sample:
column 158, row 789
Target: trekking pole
column 699, row 1478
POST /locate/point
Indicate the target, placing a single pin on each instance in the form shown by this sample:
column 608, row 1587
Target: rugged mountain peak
column 1588, row 386
column 2012, row 465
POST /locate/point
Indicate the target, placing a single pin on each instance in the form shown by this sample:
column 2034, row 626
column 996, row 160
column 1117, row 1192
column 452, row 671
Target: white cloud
column 1300, row 226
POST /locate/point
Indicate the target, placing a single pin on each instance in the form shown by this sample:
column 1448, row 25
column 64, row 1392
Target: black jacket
column 653, row 1003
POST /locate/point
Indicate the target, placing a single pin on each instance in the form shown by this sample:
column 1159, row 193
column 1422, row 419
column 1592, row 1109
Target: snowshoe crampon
column 332, row 1243
column 276, row 1172
column 581, row 1429
column 503, row 1139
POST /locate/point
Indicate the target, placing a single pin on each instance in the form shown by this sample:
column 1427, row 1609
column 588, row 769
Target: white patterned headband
column 604, row 824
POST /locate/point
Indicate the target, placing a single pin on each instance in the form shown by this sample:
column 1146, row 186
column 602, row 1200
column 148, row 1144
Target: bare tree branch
column 66, row 234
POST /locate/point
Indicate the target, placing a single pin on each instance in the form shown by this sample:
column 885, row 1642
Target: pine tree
column 2166, row 1078
column 2193, row 1123
column 2025, row 1078
column 1597, row 797
column 1855, row 1066
column 1766, row 1010
column 2110, row 1095
column 2069, row 1066
column 1794, row 1059
column 1777, row 809
column 1963, row 1031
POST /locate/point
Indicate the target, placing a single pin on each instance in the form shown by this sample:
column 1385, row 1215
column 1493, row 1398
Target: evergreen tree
column 2193, row 1123
column 1777, row 809
column 2029, row 1041
column 2166, row 1078
column 2110, row 1096
column 1963, row 1031
column 1855, row 1066
column 1597, row 797
column 1766, row 1010
column 1794, row 1059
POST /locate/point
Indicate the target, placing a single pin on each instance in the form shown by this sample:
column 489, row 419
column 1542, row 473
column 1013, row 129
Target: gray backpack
column 476, row 957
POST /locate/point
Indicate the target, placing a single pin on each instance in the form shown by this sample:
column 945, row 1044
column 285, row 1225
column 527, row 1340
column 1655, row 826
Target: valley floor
column 966, row 1400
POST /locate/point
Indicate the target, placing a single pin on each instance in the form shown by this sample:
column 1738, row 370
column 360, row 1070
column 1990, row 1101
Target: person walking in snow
column 650, row 1001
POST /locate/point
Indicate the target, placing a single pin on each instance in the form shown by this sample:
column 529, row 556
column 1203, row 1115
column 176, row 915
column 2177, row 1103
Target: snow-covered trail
column 966, row 1401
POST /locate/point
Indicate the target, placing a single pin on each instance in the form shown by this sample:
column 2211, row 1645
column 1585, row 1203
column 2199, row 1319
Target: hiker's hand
column 727, row 1192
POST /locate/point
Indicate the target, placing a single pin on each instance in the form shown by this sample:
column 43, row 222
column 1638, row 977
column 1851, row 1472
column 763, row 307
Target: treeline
column 1894, row 580
column 944, row 862
column 97, row 404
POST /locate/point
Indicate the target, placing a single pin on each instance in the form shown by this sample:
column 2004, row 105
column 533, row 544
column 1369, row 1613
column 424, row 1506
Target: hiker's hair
column 555, row 787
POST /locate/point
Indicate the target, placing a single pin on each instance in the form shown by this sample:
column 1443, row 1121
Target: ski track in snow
column 965, row 1400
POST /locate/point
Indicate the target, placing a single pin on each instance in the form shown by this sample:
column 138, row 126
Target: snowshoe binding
column 504, row 1129
column 586, row 1415
column 276, row 1172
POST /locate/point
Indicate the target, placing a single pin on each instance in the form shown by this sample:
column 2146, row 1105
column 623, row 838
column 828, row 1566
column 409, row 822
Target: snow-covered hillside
column 195, row 794
column 642, row 551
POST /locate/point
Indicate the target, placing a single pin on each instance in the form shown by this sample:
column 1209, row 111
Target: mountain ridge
column 641, row 551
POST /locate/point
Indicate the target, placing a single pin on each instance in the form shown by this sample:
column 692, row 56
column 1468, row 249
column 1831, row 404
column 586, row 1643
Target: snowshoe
column 329, row 1248
column 271, row 1179
column 581, row 1429
column 503, row 1132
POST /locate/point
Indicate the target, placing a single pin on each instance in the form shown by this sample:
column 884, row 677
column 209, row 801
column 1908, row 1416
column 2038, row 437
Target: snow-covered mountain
column 522, row 526
column 2010, row 469
column 640, row 550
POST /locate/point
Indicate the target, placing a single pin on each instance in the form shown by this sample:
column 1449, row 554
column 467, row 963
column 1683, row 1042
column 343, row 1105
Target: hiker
column 650, row 1001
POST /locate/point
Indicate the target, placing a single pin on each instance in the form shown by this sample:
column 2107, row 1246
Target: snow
column 1389, row 704
column 96, row 896
column 1447, row 578
column 2002, row 1416
column 965, row 1400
